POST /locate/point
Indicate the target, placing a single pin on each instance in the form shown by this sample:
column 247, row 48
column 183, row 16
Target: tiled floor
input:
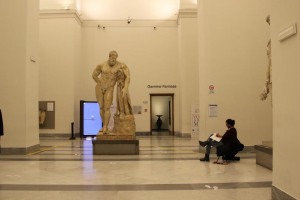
column 167, row 168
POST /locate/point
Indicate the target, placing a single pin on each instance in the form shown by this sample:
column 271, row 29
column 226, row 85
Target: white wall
column 187, row 4
column 286, row 80
column 233, row 36
column 59, row 63
column 18, row 74
column 151, row 55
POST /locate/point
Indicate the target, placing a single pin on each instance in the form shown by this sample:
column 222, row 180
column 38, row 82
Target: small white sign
column 50, row 106
column 212, row 110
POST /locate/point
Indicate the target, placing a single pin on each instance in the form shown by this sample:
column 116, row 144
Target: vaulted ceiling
column 118, row 9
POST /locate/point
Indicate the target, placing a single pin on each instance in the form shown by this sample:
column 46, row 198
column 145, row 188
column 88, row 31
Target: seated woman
column 227, row 140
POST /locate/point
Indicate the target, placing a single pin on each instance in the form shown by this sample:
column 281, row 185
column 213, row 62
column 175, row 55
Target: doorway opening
column 162, row 114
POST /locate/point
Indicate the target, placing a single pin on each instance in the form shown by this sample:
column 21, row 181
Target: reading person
column 229, row 137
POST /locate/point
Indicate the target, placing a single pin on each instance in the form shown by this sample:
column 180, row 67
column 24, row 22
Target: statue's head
column 113, row 55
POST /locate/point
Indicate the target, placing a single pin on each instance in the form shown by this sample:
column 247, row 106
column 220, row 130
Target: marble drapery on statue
column 123, row 119
column 113, row 72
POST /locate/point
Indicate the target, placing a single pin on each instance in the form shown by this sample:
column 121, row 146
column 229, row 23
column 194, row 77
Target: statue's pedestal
column 114, row 144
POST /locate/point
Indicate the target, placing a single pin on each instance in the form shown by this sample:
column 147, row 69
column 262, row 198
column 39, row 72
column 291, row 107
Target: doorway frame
column 172, row 108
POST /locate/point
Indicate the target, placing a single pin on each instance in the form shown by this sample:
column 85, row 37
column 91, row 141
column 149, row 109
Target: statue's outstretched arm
column 97, row 71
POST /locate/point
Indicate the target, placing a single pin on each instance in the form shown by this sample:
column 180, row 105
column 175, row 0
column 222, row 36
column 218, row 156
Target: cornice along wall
column 48, row 14
column 187, row 13
column 183, row 13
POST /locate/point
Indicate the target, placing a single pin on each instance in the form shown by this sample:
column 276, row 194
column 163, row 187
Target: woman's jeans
column 210, row 143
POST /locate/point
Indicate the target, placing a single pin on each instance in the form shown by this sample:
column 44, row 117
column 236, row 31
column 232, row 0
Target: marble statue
column 268, row 83
column 42, row 117
column 107, row 75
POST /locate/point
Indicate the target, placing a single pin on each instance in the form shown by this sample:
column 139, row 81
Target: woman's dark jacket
column 231, row 145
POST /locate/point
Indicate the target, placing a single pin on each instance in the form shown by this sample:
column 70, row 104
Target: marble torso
column 109, row 74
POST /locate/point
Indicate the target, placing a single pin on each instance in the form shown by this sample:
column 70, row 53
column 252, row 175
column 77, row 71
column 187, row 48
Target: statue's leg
column 108, row 98
column 99, row 97
column 120, row 101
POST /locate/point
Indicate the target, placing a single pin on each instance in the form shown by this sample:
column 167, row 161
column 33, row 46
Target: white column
column 188, row 66
column 19, row 75
column 286, row 98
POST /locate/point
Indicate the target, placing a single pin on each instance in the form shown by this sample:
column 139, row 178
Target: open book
column 215, row 137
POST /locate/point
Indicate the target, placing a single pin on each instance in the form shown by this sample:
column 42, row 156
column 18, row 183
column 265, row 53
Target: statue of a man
column 268, row 84
column 112, row 72
column 105, row 86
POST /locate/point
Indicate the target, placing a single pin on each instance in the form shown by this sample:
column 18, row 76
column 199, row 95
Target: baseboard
column 64, row 135
column 184, row 135
column 142, row 133
column 67, row 135
column 278, row 194
column 247, row 149
column 19, row 151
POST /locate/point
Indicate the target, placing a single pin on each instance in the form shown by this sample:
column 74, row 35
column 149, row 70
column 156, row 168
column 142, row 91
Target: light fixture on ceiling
column 101, row 27
column 129, row 20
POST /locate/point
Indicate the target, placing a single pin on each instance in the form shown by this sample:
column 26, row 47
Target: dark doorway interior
column 162, row 114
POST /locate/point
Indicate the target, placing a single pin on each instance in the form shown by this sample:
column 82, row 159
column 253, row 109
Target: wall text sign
column 162, row 86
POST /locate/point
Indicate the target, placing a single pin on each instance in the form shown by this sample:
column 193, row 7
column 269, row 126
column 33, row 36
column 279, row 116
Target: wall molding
column 20, row 151
column 180, row 134
column 58, row 135
column 139, row 133
column 133, row 23
column 278, row 194
column 187, row 13
column 50, row 14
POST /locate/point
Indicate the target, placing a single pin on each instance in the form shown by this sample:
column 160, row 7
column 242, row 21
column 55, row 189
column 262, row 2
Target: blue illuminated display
column 92, row 122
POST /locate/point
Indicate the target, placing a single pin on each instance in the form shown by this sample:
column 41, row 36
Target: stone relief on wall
column 267, row 91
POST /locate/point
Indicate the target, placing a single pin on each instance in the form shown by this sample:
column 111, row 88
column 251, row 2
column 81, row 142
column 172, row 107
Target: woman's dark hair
column 230, row 122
